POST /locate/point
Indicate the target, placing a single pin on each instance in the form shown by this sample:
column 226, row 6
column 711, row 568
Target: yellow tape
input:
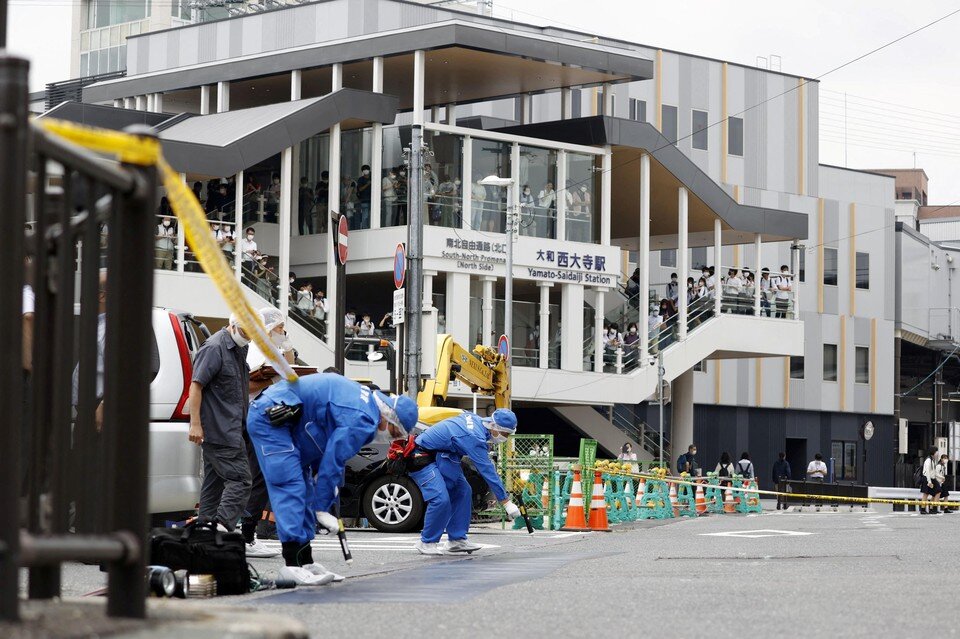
column 145, row 151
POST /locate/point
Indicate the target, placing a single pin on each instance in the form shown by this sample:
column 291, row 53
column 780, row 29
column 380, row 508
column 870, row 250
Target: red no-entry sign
column 342, row 232
column 399, row 266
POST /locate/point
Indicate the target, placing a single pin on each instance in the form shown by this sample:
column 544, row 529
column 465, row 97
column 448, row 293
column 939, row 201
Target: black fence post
column 13, row 167
column 127, row 379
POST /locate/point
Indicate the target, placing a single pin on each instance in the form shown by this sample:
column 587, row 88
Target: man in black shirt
column 782, row 473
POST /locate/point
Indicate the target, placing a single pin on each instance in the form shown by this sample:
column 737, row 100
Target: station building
column 626, row 163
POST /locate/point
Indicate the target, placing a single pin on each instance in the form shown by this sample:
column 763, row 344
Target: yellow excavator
column 483, row 371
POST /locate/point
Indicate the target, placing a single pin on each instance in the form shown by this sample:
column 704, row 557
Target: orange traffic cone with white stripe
column 701, row 501
column 728, row 506
column 545, row 494
column 641, row 485
column 576, row 518
column 673, row 499
column 598, row 506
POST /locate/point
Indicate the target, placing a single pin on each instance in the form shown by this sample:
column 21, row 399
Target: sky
column 902, row 103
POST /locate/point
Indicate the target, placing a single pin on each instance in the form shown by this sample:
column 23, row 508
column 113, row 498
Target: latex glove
column 328, row 523
column 512, row 511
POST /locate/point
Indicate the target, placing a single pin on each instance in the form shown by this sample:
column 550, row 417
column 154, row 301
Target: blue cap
column 504, row 419
column 399, row 410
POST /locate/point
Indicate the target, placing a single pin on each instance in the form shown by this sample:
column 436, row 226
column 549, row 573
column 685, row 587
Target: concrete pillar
column 756, row 274
column 683, row 261
column 158, row 103
column 435, row 113
column 223, row 97
column 544, row 345
column 458, row 299
column 333, row 167
column 205, row 99
column 565, row 103
column 486, row 307
column 643, row 259
column 526, row 108
column 149, row 97
column 141, row 103
column 118, row 103
column 606, row 101
column 129, row 103
column 452, row 114
column 286, row 202
column 571, row 327
column 376, row 162
column 681, row 398
column 795, row 269
column 561, row 194
column 238, row 230
column 606, row 188
column 717, row 257
column 296, row 84
column 598, row 330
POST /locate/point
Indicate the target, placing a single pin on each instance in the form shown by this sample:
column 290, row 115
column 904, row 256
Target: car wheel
column 393, row 504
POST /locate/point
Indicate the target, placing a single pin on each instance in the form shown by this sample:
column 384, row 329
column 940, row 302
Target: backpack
column 745, row 471
column 724, row 471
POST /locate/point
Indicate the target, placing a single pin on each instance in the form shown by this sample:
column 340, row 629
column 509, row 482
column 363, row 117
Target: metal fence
column 81, row 486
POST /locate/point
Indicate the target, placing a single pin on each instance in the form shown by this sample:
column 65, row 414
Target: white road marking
column 405, row 544
column 564, row 535
column 756, row 534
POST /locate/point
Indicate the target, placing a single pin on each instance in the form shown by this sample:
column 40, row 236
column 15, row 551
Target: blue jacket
column 464, row 435
column 781, row 468
column 339, row 418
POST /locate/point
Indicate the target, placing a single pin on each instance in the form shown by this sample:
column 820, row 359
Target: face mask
column 393, row 175
column 238, row 339
column 457, row 182
column 366, row 320
column 633, row 330
column 366, row 172
column 166, row 222
column 497, row 438
column 583, row 188
column 277, row 339
column 215, row 227
column 402, row 173
column 693, row 452
column 249, row 236
column 526, row 191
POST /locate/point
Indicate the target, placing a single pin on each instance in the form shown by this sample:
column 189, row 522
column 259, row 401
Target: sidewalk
column 166, row 618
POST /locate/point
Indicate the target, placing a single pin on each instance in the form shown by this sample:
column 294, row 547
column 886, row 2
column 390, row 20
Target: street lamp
column 493, row 180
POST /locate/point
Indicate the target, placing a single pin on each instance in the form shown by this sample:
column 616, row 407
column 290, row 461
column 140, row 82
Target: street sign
column 399, row 305
column 342, row 233
column 399, row 266
column 503, row 346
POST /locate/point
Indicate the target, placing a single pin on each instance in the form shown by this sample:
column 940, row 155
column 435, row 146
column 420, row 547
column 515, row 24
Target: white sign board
column 399, row 305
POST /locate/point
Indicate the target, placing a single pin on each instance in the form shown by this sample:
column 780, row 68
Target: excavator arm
column 484, row 371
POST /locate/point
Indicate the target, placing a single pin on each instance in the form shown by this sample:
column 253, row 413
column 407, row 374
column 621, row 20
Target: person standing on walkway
column 687, row 462
column 745, row 466
column 218, row 407
column 817, row 469
column 929, row 486
column 782, row 473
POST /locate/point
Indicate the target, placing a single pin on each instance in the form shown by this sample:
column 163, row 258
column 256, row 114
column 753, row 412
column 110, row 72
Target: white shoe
column 303, row 577
column 460, row 545
column 258, row 550
column 318, row 569
column 428, row 549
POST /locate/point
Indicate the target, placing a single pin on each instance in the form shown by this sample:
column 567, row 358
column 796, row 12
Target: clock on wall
column 866, row 431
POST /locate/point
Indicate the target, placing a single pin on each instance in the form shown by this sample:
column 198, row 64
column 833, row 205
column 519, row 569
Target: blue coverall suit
column 339, row 417
column 445, row 489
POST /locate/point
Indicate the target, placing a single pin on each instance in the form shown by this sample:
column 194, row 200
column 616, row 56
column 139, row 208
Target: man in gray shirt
column 218, row 414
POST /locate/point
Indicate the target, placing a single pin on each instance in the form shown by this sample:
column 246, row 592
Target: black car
column 391, row 503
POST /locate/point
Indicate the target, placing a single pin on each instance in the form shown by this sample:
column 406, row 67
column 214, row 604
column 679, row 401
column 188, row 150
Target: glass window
column 441, row 179
column 95, row 39
column 668, row 117
column 700, row 367
column 104, row 55
column 863, row 270
column 489, row 203
column 862, row 357
column 355, row 178
column 393, row 189
column 85, row 41
column 84, row 65
column 829, row 362
column 94, row 64
column 735, row 136
column 538, row 195
column 575, row 103
column 115, row 37
column 123, row 57
column 114, row 58
column 698, row 258
column 638, row 110
column 700, row 131
column 796, row 368
column 582, row 187
column 844, row 455
column 313, row 188
column 830, row 266
column 668, row 257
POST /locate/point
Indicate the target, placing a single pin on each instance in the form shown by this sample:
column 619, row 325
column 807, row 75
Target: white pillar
column 452, row 114
column 118, row 103
column 681, row 431
column 561, row 195
column 296, row 84
column 795, row 270
column 181, row 239
column 486, row 307
column 286, row 201
column 544, row 344
column 717, row 266
column 333, row 167
column 158, row 103
column 606, row 102
column 435, row 113
column 526, row 108
column 466, row 182
column 223, row 97
column 149, row 102
column 129, row 103
column 643, row 259
column 606, row 188
column 238, row 231
column 565, row 103
column 419, row 60
column 376, row 162
column 141, row 102
column 458, row 299
column 683, row 261
column 600, row 311
column 205, row 99
column 571, row 327
column 757, row 276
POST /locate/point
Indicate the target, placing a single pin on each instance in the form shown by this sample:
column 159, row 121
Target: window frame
column 856, row 274
column 669, row 252
column 730, row 137
column 638, row 110
column 836, row 363
column 857, row 350
column 836, row 266
column 803, row 367
column 705, row 130
column 840, row 470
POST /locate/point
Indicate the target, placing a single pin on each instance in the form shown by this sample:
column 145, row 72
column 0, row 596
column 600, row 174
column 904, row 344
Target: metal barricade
column 84, row 424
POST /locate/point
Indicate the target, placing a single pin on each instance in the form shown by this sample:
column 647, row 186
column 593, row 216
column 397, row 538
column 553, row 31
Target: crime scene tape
column 146, row 151
column 812, row 497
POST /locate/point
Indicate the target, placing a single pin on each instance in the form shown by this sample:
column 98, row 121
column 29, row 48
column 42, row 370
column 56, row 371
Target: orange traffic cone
column 701, row 501
column 598, row 506
column 728, row 506
column 576, row 518
column 545, row 494
column 641, row 485
column 673, row 499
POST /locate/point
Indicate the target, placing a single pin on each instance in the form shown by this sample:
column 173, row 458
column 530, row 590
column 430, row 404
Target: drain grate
column 439, row 583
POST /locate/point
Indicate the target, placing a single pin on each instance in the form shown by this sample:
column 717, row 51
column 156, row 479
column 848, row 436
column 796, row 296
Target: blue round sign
column 503, row 346
column 399, row 266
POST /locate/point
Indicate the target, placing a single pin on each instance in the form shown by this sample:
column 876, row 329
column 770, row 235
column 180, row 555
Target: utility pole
column 414, row 308
column 660, row 372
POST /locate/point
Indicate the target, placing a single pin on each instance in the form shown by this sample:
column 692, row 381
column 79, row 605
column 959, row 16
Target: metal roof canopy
column 670, row 169
column 465, row 63
column 223, row 144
